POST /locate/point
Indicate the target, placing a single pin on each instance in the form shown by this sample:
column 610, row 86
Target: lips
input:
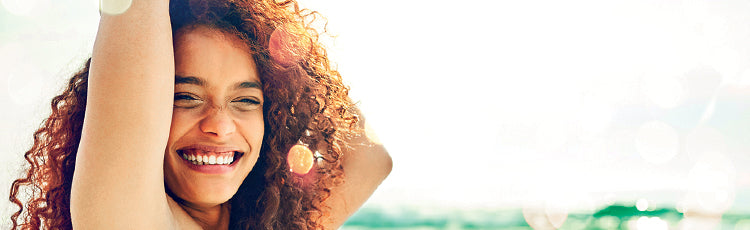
column 209, row 155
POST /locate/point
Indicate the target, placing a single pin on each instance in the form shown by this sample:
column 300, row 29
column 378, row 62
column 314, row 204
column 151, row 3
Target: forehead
column 214, row 55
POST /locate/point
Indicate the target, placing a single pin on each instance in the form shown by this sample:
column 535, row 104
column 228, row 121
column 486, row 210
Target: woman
column 201, row 115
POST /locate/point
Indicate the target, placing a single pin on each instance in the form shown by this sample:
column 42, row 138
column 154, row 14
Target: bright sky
column 577, row 102
column 494, row 103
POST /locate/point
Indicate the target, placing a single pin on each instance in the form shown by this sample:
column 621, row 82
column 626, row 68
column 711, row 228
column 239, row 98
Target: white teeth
column 208, row 160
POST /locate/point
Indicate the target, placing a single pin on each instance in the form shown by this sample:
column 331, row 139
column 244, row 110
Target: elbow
column 387, row 163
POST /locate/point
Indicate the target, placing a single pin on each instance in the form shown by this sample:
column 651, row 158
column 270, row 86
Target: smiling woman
column 193, row 129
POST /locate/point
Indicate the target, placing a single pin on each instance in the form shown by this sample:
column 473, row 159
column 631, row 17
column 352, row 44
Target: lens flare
column 285, row 45
column 300, row 159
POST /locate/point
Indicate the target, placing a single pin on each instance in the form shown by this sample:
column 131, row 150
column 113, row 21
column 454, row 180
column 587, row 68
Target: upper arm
column 118, row 178
column 364, row 169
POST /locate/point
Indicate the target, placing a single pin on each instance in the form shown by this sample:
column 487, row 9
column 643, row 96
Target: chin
column 205, row 194
column 202, row 187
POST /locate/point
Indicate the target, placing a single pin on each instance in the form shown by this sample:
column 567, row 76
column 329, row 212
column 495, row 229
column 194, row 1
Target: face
column 217, row 122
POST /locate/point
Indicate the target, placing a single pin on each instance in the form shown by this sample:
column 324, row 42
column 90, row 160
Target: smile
column 209, row 159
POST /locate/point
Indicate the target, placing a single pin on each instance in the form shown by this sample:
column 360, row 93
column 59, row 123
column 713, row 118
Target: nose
column 218, row 123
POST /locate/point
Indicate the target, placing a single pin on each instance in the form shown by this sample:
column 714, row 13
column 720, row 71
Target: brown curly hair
column 306, row 101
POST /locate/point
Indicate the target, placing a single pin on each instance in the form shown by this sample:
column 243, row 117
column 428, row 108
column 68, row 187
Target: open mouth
column 202, row 157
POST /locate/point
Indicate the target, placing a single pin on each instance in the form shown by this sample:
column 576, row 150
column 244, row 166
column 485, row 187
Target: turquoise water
column 611, row 217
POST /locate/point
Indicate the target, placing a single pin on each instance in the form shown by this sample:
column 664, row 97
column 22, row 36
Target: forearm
column 129, row 103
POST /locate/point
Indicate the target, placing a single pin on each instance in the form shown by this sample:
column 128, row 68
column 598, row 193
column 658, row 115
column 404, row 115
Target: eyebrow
column 188, row 80
column 200, row 82
column 248, row 84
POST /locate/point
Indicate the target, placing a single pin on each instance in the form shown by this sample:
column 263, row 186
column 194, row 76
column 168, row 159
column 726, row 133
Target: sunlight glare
column 20, row 7
column 657, row 142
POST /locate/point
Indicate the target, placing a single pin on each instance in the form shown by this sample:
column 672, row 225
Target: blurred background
column 580, row 114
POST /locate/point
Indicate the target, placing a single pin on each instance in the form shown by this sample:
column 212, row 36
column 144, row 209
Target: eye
column 186, row 100
column 246, row 103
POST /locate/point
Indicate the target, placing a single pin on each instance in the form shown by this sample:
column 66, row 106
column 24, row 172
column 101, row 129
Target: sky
column 510, row 103
column 503, row 104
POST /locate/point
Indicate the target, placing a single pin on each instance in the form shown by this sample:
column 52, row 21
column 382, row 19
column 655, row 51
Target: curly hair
column 306, row 102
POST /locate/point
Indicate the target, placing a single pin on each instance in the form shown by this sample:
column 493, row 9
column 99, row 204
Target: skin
column 118, row 182
column 135, row 110
column 213, row 111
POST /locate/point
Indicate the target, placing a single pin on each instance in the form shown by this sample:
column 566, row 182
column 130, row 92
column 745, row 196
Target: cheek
column 181, row 122
column 252, row 128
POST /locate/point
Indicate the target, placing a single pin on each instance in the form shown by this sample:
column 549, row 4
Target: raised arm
column 364, row 168
column 118, row 180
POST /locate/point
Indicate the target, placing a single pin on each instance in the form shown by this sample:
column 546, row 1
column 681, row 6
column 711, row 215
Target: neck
column 209, row 216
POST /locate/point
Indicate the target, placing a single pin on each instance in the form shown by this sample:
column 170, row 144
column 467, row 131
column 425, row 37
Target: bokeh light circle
column 300, row 159
column 546, row 216
column 711, row 185
column 641, row 205
column 287, row 45
column 114, row 7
